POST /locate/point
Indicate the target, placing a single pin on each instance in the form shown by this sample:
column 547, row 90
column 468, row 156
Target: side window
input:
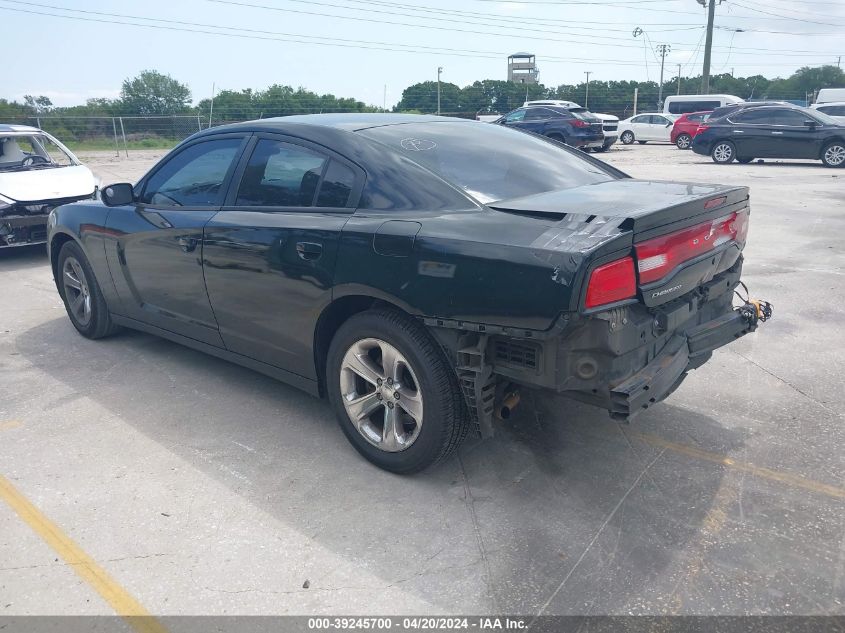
column 640, row 119
column 337, row 186
column 194, row 177
column 515, row 116
column 537, row 114
column 755, row 116
column 280, row 174
column 794, row 118
column 833, row 110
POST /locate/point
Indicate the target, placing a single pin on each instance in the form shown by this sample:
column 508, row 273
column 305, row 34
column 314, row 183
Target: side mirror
column 118, row 194
column 670, row 124
column 810, row 124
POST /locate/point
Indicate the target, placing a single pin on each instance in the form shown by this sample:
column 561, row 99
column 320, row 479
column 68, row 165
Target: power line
column 589, row 41
column 779, row 16
column 296, row 38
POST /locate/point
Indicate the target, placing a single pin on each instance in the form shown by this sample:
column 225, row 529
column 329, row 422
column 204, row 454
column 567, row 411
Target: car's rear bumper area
column 684, row 351
column 628, row 358
column 22, row 230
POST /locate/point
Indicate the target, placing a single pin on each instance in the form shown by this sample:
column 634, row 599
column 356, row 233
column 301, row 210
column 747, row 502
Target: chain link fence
column 120, row 133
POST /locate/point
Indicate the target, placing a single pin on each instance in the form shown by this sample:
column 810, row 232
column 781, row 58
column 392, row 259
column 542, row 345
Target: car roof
column 828, row 103
column 11, row 127
column 349, row 121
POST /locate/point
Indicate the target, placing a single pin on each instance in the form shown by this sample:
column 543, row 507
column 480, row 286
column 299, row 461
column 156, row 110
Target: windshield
column 490, row 162
column 23, row 152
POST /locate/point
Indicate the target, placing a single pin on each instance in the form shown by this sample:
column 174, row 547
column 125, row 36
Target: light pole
column 679, row 79
column 587, row 92
column 439, row 70
column 663, row 49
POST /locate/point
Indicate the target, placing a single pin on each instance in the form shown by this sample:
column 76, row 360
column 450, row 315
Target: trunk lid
column 594, row 221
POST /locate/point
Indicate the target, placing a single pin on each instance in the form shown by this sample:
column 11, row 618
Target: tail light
column 702, row 128
column 580, row 123
column 657, row 257
column 612, row 282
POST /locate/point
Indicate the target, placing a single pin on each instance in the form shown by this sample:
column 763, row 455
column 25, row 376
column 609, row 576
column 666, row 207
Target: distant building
column 522, row 68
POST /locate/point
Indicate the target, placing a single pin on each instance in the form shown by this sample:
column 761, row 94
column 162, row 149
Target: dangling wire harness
column 754, row 310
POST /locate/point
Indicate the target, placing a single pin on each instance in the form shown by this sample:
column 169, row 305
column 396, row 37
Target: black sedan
column 752, row 131
column 418, row 271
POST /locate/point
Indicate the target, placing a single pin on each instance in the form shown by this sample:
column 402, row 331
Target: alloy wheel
column 723, row 153
column 77, row 292
column 683, row 141
column 835, row 155
column 381, row 394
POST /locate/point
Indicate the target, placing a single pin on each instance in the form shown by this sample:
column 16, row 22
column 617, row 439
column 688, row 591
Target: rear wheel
column 833, row 154
column 395, row 396
column 627, row 137
column 560, row 138
column 723, row 152
column 683, row 141
column 81, row 294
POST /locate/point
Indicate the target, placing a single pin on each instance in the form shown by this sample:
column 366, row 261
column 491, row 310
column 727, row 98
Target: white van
column 829, row 95
column 682, row 104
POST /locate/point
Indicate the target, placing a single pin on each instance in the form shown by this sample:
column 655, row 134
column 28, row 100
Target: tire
column 559, row 138
column 833, row 154
column 429, row 404
column 642, row 142
column 744, row 161
column 723, row 152
column 627, row 137
column 81, row 294
column 603, row 148
column 684, row 141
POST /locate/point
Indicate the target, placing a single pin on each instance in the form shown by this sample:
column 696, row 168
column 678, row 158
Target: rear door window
column 280, row 174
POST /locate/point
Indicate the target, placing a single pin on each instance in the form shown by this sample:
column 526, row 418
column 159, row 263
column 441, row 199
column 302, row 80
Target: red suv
column 685, row 128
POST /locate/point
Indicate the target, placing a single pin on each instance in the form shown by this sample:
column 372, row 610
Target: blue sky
column 249, row 43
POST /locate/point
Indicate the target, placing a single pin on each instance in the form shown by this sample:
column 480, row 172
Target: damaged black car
column 420, row 272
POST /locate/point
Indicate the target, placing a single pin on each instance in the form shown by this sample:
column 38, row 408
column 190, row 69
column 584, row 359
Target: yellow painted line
column 10, row 424
column 758, row 471
column 86, row 567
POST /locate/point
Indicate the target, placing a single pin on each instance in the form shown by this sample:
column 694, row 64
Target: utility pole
column 663, row 49
column 211, row 107
column 439, row 70
column 679, row 79
column 708, row 45
column 384, row 101
column 587, row 93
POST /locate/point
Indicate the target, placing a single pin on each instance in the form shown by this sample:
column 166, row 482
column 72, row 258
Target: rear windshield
column 487, row 161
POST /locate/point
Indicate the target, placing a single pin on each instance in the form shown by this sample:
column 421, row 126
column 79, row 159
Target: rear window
column 489, row 162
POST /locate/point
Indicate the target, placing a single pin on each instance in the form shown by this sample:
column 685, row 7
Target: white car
column 609, row 122
column 835, row 109
column 37, row 174
column 649, row 126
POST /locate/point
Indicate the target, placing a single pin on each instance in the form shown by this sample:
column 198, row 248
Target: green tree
column 152, row 93
column 38, row 105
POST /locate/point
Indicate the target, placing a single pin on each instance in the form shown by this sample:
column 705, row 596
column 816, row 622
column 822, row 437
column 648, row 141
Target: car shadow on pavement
column 17, row 258
column 563, row 512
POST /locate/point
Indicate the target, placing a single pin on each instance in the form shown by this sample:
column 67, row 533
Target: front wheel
column 627, row 137
column 81, row 293
column 395, row 396
column 683, row 141
column 833, row 154
column 723, row 152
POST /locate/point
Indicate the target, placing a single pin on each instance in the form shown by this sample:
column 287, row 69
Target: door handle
column 777, row 132
column 187, row 244
column 309, row 251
